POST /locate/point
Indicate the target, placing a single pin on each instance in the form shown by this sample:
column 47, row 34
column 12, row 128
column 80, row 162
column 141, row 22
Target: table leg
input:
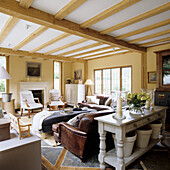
column 102, row 153
column 163, row 128
column 120, row 155
column 120, row 137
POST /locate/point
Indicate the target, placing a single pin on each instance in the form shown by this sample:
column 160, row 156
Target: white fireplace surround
column 35, row 86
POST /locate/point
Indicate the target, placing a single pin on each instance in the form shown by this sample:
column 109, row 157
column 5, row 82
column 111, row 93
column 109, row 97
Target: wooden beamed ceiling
column 23, row 10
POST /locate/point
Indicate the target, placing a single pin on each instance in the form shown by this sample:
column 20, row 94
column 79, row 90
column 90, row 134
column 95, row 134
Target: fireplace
column 39, row 90
column 38, row 94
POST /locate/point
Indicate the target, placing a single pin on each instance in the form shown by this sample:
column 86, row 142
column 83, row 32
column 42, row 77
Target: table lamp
column 89, row 83
column 3, row 75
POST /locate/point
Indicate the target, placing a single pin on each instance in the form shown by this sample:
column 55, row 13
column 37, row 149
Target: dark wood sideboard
column 162, row 94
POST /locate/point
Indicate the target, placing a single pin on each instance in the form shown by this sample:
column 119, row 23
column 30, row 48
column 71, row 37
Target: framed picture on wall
column 152, row 77
column 33, row 69
column 78, row 75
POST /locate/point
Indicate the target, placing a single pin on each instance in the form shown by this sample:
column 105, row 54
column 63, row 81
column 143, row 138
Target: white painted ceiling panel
column 60, row 43
column 20, row 31
column 41, row 39
column 107, row 54
column 75, row 47
column 3, row 19
column 111, row 51
column 50, row 6
column 154, row 39
column 165, row 42
column 150, row 21
column 128, row 13
column 90, row 49
column 148, row 33
column 90, row 9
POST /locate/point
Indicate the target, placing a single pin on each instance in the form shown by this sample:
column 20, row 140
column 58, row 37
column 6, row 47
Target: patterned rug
column 155, row 159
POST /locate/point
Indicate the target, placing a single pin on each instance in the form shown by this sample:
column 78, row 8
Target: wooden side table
column 120, row 128
column 4, row 129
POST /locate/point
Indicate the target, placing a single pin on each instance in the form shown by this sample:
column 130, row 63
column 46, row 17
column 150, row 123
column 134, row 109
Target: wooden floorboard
column 60, row 158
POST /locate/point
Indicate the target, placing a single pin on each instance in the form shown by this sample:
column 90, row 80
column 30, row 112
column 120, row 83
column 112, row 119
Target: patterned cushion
column 108, row 101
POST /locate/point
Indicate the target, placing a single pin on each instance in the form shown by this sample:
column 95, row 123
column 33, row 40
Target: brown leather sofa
column 99, row 107
column 82, row 140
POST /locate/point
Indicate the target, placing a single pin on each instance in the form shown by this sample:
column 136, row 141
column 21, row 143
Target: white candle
column 147, row 105
column 119, row 106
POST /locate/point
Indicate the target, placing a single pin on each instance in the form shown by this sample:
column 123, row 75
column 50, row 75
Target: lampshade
column 89, row 82
column 4, row 74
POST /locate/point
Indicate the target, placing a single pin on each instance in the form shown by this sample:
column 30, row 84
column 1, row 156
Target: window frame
column 110, row 75
column 7, row 69
column 60, row 79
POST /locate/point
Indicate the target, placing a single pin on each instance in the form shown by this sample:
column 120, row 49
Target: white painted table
column 120, row 128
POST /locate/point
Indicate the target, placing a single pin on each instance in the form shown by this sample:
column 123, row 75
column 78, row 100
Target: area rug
column 155, row 159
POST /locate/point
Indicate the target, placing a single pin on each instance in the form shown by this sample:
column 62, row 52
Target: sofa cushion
column 90, row 98
column 75, row 120
column 108, row 101
column 102, row 99
column 95, row 101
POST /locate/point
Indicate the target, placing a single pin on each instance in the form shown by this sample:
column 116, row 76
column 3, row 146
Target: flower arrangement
column 137, row 100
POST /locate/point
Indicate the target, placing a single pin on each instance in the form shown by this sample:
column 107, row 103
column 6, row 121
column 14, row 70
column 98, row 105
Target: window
column 57, row 75
column 3, row 82
column 98, row 76
column 106, row 81
column 112, row 79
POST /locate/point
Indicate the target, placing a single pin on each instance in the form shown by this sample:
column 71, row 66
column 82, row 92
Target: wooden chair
column 55, row 99
column 27, row 101
column 21, row 128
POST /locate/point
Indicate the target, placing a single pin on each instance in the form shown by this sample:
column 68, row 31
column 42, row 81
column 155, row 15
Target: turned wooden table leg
column 120, row 137
column 163, row 128
column 102, row 153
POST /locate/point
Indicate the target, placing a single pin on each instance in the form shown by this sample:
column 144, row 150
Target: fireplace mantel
column 35, row 86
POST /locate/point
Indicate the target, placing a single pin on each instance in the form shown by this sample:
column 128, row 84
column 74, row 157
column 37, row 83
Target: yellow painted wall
column 17, row 70
column 133, row 59
column 151, row 60
column 66, row 73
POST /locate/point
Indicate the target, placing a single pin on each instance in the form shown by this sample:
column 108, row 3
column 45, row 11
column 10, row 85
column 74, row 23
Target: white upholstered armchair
column 55, row 99
column 27, row 101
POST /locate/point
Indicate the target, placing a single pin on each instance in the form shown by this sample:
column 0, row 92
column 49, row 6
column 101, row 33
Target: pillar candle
column 147, row 105
column 119, row 106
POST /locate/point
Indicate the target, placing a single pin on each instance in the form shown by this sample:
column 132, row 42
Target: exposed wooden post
column 143, row 70
column 86, row 75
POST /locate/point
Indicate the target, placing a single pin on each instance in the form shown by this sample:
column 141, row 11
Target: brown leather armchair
column 82, row 140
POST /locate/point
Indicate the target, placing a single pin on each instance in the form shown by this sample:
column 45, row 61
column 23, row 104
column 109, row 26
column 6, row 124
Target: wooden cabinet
column 163, row 70
column 162, row 94
column 74, row 93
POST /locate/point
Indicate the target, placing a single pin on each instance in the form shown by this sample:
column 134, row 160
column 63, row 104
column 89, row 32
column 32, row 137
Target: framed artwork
column 78, row 75
column 152, row 77
column 33, row 69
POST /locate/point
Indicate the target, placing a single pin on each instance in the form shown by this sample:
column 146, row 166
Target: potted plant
column 136, row 101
